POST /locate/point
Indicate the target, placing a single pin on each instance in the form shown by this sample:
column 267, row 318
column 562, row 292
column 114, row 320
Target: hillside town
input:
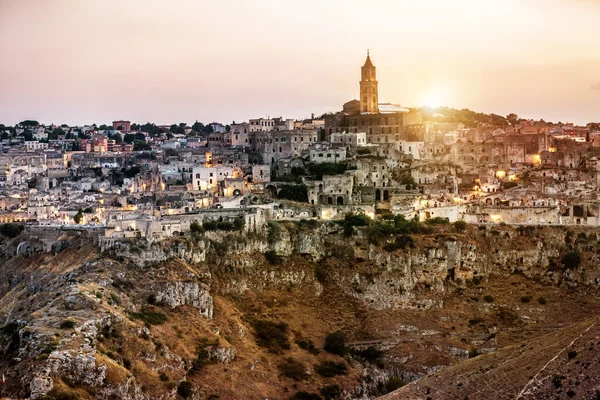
column 371, row 157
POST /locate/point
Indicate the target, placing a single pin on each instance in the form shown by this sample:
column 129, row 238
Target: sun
column 432, row 100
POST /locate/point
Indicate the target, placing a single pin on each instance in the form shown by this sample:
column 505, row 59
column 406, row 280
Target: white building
column 208, row 178
column 34, row 145
column 351, row 139
column 333, row 155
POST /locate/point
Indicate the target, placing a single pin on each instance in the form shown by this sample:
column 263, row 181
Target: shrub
column 571, row 260
column 401, row 242
column 273, row 258
column 394, row 383
column 195, row 227
column 115, row 299
column 330, row 391
column 150, row 317
column 542, row 300
column 335, row 343
column 460, row 226
column 509, row 185
column 163, row 377
column 318, row 170
column 294, row 193
column 67, row 324
column 370, row 354
column 473, row 353
column 185, row 389
column 409, row 181
column 488, row 298
column 302, row 395
column 525, row 299
column 11, row 230
column 329, row 369
column 438, row 220
column 557, row 381
column 201, row 360
column 293, row 369
column 351, row 220
column 308, row 346
column 271, row 335
column 320, row 273
column 572, row 355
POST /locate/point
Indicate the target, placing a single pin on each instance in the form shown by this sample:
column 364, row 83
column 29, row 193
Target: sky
column 171, row 61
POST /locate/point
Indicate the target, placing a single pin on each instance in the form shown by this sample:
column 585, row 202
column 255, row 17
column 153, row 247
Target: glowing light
column 432, row 100
column 500, row 174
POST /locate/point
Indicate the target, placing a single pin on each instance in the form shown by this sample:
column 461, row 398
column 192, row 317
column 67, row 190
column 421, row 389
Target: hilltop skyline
column 92, row 62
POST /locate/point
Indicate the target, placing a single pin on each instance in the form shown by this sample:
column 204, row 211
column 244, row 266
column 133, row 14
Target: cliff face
column 138, row 320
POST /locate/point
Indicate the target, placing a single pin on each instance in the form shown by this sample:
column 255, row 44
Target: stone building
column 382, row 122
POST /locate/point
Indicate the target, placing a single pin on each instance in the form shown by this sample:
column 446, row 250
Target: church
column 382, row 122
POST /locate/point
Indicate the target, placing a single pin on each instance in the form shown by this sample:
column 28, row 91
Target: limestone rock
column 179, row 293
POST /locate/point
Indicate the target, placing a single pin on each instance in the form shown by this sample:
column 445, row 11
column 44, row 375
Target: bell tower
column 369, row 99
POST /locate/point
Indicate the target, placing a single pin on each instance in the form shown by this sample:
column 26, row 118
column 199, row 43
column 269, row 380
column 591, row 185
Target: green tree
column 141, row 146
column 335, row 343
column 78, row 217
column 512, row 118
column 129, row 138
column 294, row 193
column 118, row 138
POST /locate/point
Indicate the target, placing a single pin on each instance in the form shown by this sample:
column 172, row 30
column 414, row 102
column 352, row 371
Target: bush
column 302, row 395
column 335, row 343
column 329, row 369
column 271, row 335
column 330, row 391
column 351, row 220
column 11, row 230
column 318, row 170
column 150, row 317
column 571, row 260
column 572, row 355
column 370, row 354
column 525, row 299
column 115, row 299
column 201, row 360
column 401, row 242
column 320, row 273
column 438, row 220
column 394, row 383
column 67, row 324
column 542, row 300
column 163, row 377
column 460, row 226
column 293, row 369
column 185, row 389
column 195, row 227
column 294, row 193
column 273, row 258
column 308, row 346
column 487, row 298
column 509, row 185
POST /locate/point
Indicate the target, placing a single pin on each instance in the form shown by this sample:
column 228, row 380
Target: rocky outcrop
column 176, row 294
column 224, row 355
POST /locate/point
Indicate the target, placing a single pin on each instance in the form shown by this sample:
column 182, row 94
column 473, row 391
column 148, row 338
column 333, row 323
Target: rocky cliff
column 186, row 317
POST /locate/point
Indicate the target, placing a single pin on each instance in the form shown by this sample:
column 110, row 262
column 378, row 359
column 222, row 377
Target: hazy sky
column 85, row 61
